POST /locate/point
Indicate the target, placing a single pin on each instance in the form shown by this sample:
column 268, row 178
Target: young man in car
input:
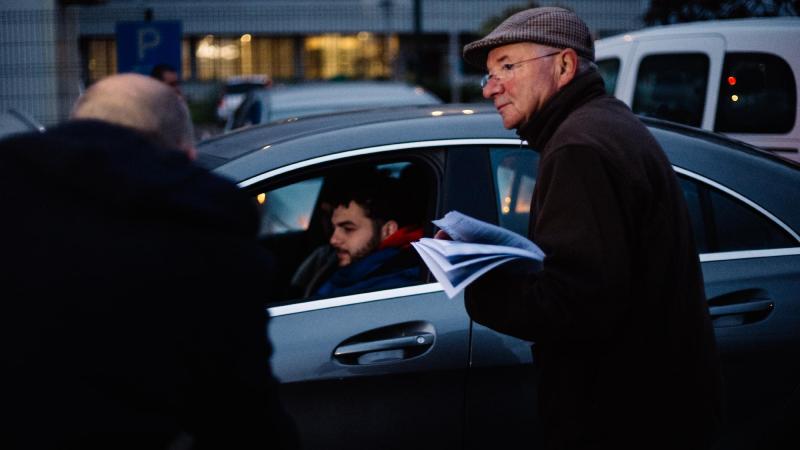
column 373, row 227
column 623, row 341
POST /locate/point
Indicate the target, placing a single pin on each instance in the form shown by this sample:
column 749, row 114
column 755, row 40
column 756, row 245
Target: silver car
column 407, row 368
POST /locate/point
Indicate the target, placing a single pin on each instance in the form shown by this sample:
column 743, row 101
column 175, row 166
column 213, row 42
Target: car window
column 249, row 112
column 757, row 94
column 609, row 69
column 672, row 87
column 514, row 171
column 722, row 223
column 288, row 209
column 300, row 221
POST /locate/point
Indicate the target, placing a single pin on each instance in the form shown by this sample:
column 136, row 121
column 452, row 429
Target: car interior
column 296, row 220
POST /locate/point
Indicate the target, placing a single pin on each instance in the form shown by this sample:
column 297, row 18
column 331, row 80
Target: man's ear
column 566, row 66
column 388, row 229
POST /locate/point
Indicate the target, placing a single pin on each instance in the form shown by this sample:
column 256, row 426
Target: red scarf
column 402, row 238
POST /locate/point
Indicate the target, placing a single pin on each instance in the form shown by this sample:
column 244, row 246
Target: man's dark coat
column 622, row 336
column 133, row 293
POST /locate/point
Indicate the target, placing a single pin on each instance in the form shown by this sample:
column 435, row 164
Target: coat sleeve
column 583, row 291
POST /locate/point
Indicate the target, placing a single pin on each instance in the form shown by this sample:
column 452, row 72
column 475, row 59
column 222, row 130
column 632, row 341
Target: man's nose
column 334, row 240
column 491, row 89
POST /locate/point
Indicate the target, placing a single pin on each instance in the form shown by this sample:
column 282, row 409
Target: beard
column 369, row 247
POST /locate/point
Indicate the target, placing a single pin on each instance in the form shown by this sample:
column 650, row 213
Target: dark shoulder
column 607, row 132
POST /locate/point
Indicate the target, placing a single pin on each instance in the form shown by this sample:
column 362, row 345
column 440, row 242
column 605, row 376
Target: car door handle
column 738, row 314
column 741, row 308
column 414, row 341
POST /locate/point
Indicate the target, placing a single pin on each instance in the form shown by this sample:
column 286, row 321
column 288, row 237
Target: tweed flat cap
column 550, row 26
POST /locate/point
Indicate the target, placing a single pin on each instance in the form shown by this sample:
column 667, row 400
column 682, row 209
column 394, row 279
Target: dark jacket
column 394, row 264
column 133, row 299
column 383, row 269
column 622, row 335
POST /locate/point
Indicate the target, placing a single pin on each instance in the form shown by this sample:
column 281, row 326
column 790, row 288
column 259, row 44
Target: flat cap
column 550, row 26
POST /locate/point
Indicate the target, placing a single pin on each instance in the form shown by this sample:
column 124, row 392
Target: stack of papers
column 477, row 247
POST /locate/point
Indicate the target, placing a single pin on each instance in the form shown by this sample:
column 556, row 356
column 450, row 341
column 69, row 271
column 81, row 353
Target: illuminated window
column 272, row 56
column 101, row 58
column 361, row 56
column 186, row 59
column 223, row 57
column 358, row 56
column 217, row 57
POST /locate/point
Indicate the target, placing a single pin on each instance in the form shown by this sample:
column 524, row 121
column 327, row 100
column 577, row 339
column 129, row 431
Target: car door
column 494, row 182
column 380, row 369
column 751, row 269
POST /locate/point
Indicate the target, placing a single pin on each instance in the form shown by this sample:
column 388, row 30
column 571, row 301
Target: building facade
column 289, row 40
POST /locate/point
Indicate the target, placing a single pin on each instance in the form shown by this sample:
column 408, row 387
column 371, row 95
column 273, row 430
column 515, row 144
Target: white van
column 738, row 77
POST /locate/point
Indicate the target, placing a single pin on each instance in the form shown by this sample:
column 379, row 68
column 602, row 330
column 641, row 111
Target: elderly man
column 136, row 102
column 133, row 286
column 622, row 336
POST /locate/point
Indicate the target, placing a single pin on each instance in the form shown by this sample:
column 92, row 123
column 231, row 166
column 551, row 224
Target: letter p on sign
column 148, row 39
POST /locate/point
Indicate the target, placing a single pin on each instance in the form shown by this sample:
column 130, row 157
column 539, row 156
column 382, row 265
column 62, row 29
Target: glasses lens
column 484, row 81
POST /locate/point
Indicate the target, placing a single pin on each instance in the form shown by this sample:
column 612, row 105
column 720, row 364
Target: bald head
column 141, row 103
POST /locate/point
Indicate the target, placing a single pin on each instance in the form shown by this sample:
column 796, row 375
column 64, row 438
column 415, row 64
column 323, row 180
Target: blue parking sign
column 143, row 45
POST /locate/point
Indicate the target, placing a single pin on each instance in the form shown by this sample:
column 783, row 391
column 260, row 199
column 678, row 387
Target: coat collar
column 544, row 124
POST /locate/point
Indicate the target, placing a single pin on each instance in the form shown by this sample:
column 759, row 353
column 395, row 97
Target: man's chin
column 510, row 122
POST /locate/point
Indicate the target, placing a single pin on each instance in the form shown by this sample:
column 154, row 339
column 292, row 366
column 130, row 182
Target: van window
column 757, row 94
column 609, row 69
column 672, row 87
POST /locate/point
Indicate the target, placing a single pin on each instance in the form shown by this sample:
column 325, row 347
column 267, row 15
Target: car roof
column 309, row 98
column 316, row 131
column 746, row 28
column 334, row 90
column 251, row 152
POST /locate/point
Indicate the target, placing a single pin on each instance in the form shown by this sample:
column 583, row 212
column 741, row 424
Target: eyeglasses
column 506, row 71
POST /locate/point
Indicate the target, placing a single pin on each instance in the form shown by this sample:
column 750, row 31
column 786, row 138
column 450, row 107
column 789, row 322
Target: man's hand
column 442, row 235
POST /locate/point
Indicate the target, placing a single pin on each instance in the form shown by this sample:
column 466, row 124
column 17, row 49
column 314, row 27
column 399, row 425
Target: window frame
column 283, row 175
column 743, row 254
column 320, row 166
